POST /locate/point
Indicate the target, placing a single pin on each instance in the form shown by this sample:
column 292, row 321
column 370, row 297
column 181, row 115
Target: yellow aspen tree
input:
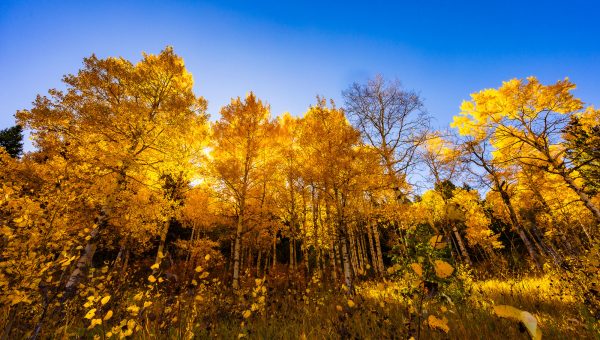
column 331, row 141
column 238, row 138
column 525, row 120
column 444, row 164
column 120, row 119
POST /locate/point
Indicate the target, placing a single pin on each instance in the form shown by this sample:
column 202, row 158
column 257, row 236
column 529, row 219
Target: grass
column 386, row 309
column 381, row 311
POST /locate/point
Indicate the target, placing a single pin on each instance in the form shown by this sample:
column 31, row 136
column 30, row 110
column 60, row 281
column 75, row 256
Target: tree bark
column 517, row 225
column 291, row 242
column 363, row 251
column 236, row 251
column 161, row 246
column 346, row 264
column 374, row 263
column 353, row 255
column 258, row 263
column 378, row 249
column 461, row 245
column 564, row 173
column 274, row 250
column 332, row 264
column 85, row 260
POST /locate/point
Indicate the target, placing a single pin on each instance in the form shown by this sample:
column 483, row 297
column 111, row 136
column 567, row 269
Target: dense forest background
column 136, row 215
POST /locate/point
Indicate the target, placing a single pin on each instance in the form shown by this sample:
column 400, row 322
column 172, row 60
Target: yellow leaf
column 417, row 268
column 108, row 315
column 105, row 300
column 94, row 323
column 442, row 269
column 130, row 324
column 435, row 323
column 207, row 257
column 90, row 314
column 151, row 278
column 351, row 303
column 133, row 309
column 526, row 318
column 147, row 304
column 246, row 314
column 199, row 269
column 437, row 242
column 155, row 266
column 339, row 308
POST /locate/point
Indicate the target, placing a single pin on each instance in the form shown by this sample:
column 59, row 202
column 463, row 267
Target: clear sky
column 288, row 52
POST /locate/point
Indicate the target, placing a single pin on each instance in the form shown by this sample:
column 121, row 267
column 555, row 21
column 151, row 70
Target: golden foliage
column 436, row 323
column 442, row 269
column 526, row 318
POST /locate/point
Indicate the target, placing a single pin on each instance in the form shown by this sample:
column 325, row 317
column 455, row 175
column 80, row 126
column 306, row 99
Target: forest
column 138, row 215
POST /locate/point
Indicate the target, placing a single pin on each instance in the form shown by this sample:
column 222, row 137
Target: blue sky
column 288, row 52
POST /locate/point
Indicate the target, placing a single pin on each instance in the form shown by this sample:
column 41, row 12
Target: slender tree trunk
column 461, row 244
column 230, row 258
column 85, row 260
column 266, row 262
column 242, row 257
column 363, row 251
column 535, row 242
column 586, row 232
column 359, row 250
column 374, row 263
column 189, row 254
column 332, row 263
column 292, row 253
column 337, row 257
column 548, row 246
column 258, row 263
column 353, row 256
column 305, row 255
column 346, row 263
column 517, row 225
column 236, row 251
column 274, row 250
column 381, row 268
column 579, row 191
column 320, row 264
column 456, row 255
column 161, row 246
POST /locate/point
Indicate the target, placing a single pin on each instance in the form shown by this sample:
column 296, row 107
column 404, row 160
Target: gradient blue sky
column 288, row 52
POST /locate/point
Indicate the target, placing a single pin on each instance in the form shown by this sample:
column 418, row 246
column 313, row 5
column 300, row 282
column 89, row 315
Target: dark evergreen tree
column 11, row 139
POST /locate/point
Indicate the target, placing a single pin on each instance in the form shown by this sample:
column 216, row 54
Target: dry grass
column 381, row 311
